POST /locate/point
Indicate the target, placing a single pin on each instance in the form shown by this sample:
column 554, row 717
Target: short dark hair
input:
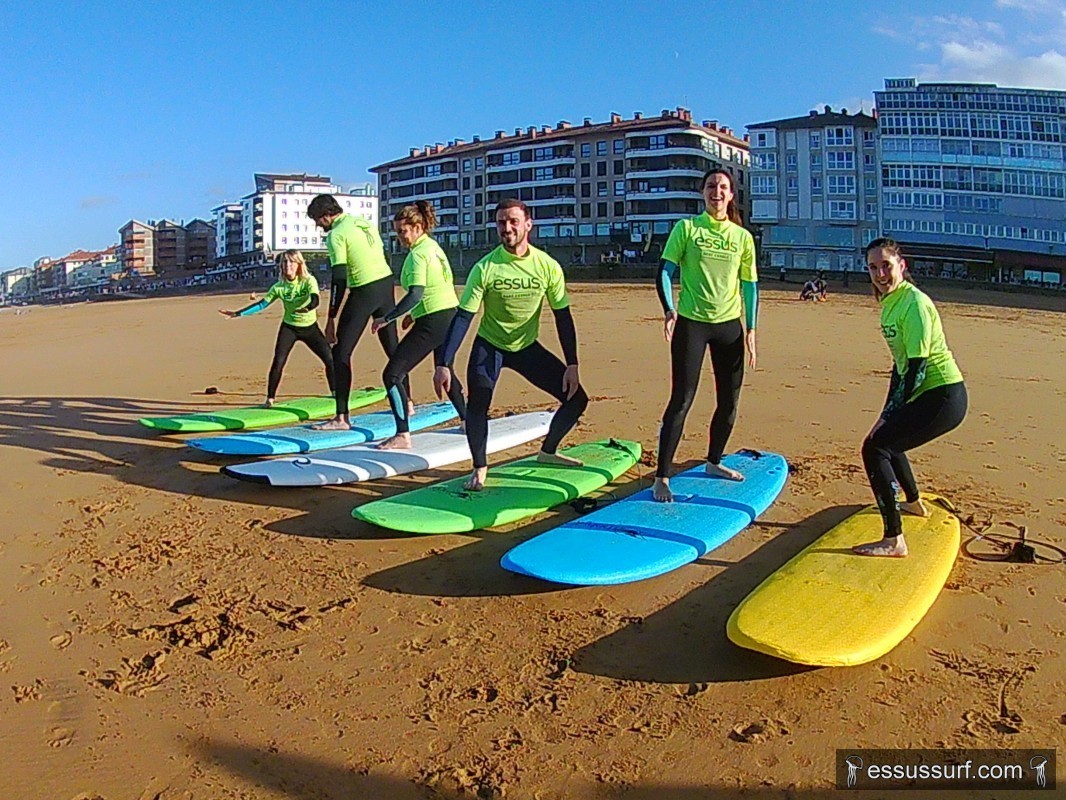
column 514, row 202
column 323, row 205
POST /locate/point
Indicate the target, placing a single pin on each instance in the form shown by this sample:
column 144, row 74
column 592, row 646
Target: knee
column 391, row 377
column 580, row 401
column 679, row 404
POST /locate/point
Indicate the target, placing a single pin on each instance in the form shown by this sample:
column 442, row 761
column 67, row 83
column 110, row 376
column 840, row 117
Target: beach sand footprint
column 61, row 641
column 60, row 737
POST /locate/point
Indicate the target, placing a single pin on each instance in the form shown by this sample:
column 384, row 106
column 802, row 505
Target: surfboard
column 287, row 412
column 305, row 439
column 830, row 607
column 512, row 492
column 637, row 538
column 364, row 462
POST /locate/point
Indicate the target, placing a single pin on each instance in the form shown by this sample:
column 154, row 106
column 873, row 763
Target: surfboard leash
column 1018, row 549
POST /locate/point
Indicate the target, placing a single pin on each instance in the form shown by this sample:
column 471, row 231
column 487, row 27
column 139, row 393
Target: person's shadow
column 686, row 641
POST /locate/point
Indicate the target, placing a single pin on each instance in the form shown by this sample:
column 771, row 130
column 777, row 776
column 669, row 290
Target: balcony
column 548, row 162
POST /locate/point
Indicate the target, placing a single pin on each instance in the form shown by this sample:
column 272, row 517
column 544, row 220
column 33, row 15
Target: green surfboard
column 288, row 412
column 512, row 492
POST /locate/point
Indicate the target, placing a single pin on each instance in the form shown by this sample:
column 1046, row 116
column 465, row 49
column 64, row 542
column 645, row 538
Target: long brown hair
column 892, row 248
column 731, row 210
column 420, row 213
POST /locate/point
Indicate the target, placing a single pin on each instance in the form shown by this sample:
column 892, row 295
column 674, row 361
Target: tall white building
column 274, row 216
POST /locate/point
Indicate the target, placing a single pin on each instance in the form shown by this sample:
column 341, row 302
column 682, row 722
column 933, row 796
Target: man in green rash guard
column 926, row 395
column 717, row 260
column 512, row 282
column 297, row 290
column 359, row 267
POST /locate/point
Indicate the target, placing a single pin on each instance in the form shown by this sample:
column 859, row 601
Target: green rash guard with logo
column 513, row 289
column 911, row 326
column 427, row 265
column 714, row 257
column 294, row 295
column 355, row 244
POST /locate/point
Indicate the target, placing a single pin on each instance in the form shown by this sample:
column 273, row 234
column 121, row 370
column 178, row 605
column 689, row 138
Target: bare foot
column 476, row 481
column 917, row 508
column 401, row 441
column 720, row 471
column 268, row 403
column 335, row 424
column 889, row 547
column 558, row 459
column 660, row 491
column 410, row 410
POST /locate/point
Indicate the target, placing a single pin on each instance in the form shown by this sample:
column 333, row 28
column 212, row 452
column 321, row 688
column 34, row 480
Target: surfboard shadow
column 692, row 630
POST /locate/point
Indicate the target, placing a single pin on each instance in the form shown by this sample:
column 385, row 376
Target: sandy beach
column 168, row 633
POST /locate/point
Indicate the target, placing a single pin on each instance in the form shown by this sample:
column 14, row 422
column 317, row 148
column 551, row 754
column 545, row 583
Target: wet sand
column 169, row 633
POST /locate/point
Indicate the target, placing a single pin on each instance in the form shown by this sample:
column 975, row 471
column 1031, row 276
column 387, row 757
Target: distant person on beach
column 926, row 395
column 297, row 290
column 716, row 256
column 512, row 283
column 816, row 289
column 357, row 257
column 431, row 302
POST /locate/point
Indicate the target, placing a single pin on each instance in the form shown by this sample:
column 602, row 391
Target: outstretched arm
column 409, row 301
column 248, row 310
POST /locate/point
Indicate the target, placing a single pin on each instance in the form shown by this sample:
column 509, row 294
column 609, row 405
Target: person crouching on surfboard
column 926, row 395
column 717, row 260
column 512, row 282
column 431, row 302
column 297, row 290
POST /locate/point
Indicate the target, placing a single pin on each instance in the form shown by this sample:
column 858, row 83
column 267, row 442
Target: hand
column 571, row 383
column 669, row 321
column 749, row 340
column 377, row 325
column 408, row 321
column 442, row 382
column 230, row 314
column 331, row 332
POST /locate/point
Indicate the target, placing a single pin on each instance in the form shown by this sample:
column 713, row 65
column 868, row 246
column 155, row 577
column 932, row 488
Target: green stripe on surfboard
column 512, row 492
column 289, row 412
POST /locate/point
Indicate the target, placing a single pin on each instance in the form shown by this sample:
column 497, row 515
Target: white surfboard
column 365, row 462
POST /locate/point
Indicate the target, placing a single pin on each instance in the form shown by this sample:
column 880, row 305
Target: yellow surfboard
column 830, row 607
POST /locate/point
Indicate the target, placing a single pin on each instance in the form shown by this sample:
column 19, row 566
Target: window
column 816, row 160
column 867, row 138
column 586, row 190
column 479, row 163
column 840, row 136
column 841, row 184
column 619, row 209
column 601, row 189
column 619, row 167
column 477, row 199
column 792, row 187
column 867, row 160
column 467, row 218
column 840, row 160
column 479, row 217
column 466, row 164
column 601, row 168
column 466, row 183
column 816, row 140
column 601, row 148
column 764, row 184
column 619, row 145
column 816, row 184
column 841, row 209
column 869, row 184
column 766, row 161
column 586, row 170
column 566, row 230
column 619, row 187
column 509, row 159
column 478, row 181
column 871, row 211
column 586, row 149
column 546, row 231
column 467, row 201
column 586, row 212
column 543, row 153
column 657, row 142
column 543, row 174
column 603, row 229
column 433, row 170
column 601, row 209
column 790, row 161
column 585, row 230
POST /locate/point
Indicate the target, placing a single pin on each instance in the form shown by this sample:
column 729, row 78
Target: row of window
column 1046, row 235
column 1031, row 183
column 835, row 136
column 990, row 101
column 968, row 147
column 834, row 159
column 976, row 126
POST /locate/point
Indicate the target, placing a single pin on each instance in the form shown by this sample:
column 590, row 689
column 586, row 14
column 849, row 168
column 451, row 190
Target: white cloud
column 988, row 62
column 1031, row 6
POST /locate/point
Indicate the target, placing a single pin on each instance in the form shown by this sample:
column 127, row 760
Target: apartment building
column 814, row 189
column 621, row 183
column 136, row 248
column 229, row 231
column 973, row 178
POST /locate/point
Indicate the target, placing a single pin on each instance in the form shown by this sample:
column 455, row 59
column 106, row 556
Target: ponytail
column 420, row 213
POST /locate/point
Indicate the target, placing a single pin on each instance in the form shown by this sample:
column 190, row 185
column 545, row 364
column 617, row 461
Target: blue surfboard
column 305, row 439
column 637, row 538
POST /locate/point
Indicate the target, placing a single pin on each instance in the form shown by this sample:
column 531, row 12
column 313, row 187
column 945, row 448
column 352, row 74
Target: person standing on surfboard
column 297, row 290
column 431, row 302
column 512, row 282
column 926, row 395
column 357, row 257
column 717, row 260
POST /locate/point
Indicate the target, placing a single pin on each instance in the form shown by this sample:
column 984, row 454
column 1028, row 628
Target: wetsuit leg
column 287, row 336
column 544, row 369
column 687, row 347
column 455, row 392
column 924, row 419
column 726, row 340
column 312, row 336
column 481, row 375
column 363, row 302
column 427, row 334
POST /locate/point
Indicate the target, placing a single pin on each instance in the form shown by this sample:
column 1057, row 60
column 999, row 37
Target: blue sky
column 146, row 110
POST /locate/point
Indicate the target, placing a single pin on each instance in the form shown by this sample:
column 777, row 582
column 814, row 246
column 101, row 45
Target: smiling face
column 407, row 233
column 717, row 194
column 513, row 227
column 289, row 269
column 886, row 268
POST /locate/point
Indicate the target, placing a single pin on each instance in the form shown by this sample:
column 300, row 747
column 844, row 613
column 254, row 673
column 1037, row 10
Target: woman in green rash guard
column 926, row 395
column 431, row 302
column 717, row 260
column 297, row 290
